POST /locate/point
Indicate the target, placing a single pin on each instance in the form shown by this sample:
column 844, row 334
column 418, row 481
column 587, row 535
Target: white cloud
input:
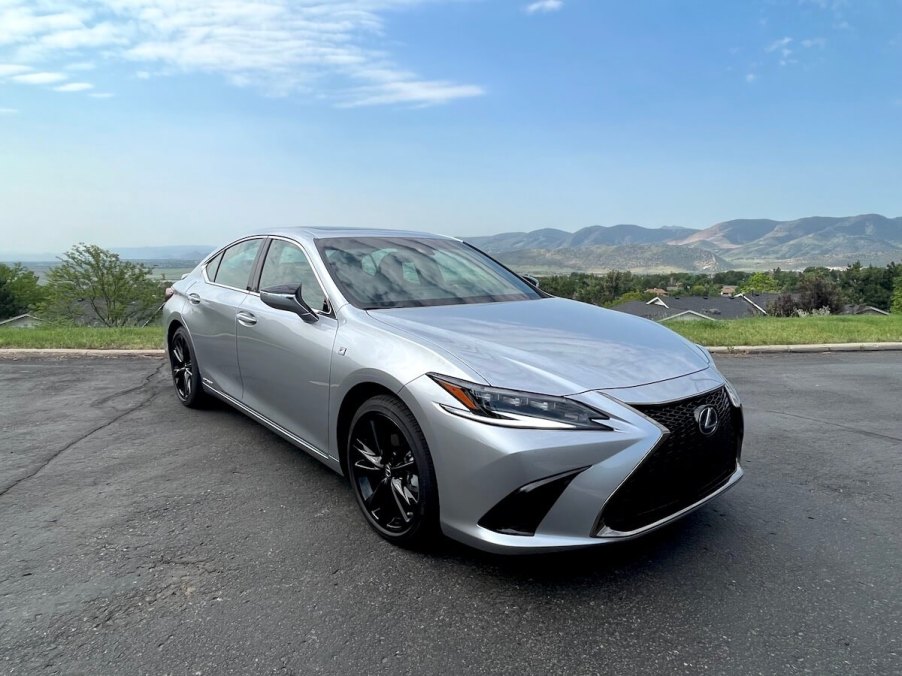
column 101, row 95
column 417, row 93
column 780, row 44
column 7, row 69
column 814, row 42
column 8, row 111
column 81, row 65
column 333, row 50
column 543, row 6
column 74, row 87
column 39, row 78
column 750, row 77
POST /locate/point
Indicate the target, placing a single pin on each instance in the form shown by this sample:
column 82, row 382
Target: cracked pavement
column 137, row 536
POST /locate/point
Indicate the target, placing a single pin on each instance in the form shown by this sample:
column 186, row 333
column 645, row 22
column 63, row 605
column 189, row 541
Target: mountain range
column 747, row 244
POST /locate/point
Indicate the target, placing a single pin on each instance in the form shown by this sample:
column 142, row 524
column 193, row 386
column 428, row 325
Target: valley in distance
column 744, row 244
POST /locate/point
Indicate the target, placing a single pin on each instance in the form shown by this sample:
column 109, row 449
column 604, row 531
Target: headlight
column 509, row 408
column 731, row 391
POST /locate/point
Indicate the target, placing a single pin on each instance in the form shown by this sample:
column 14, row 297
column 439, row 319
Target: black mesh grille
column 683, row 469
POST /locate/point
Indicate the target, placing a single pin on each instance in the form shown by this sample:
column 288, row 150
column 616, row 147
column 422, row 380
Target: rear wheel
column 391, row 471
column 185, row 374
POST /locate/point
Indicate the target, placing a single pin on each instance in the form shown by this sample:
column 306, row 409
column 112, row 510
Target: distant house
column 863, row 310
column 657, row 291
column 727, row 290
column 688, row 308
column 25, row 321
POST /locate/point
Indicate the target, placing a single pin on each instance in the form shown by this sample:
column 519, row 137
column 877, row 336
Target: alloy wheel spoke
column 368, row 456
column 379, row 450
column 372, row 499
column 407, row 464
column 399, row 498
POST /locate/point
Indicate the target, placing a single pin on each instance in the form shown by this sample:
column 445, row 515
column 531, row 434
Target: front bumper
column 477, row 466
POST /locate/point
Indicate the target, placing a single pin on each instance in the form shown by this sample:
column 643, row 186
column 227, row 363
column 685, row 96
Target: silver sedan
column 455, row 395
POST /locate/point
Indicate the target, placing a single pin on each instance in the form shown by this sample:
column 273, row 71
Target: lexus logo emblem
column 706, row 417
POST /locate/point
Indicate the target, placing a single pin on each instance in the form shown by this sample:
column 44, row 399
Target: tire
column 391, row 473
column 185, row 374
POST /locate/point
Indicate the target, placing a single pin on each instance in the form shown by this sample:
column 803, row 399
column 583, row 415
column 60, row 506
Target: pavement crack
column 836, row 424
column 140, row 386
column 74, row 442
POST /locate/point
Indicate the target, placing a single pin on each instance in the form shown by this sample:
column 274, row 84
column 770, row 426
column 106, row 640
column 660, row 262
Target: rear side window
column 237, row 263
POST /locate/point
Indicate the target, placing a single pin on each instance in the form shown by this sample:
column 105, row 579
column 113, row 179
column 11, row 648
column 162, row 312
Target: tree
column 816, row 292
column 19, row 290
column 760, row 282
column 896, row 306
column 94, row 286
column 784, row 306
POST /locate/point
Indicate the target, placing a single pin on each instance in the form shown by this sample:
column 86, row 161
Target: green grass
column 757, row 331
column 79, row 337
column 792, row 330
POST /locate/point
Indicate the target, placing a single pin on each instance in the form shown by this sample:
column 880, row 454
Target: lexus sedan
column 456, row 396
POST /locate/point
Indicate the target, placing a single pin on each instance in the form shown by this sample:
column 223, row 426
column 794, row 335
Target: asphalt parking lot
column 137, row 536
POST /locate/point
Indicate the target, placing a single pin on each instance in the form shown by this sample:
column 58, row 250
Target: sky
column 153, row 122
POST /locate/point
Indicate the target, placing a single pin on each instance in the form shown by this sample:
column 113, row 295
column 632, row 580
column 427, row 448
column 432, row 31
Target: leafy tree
column 784, row 306
column 896, row 306
column 19, row 290
column 816, row 292
column 94, row 286
column 760, row 282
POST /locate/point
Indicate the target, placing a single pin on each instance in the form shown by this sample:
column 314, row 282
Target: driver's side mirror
column 532, row 281
column 289, row 299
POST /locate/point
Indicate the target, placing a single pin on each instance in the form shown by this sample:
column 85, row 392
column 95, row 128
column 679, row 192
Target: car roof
column 324, row 233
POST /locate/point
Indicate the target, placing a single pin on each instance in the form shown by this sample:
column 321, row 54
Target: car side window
column 286, row 265
column 213, row 266
column 237, row 263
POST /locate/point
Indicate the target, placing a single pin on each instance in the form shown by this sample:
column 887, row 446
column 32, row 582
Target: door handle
column 193, row 298
column 246, row 318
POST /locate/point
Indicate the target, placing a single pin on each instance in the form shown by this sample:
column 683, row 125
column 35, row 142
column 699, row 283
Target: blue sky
column 132, row 122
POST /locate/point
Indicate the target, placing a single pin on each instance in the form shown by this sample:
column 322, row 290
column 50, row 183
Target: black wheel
column 185, row 374
column 391, row 471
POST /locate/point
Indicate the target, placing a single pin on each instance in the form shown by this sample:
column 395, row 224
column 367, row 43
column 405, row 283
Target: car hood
column 552, row 345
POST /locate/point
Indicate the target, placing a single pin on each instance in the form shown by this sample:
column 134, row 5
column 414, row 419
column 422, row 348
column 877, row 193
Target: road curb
column 817, row 347
column 25, row 353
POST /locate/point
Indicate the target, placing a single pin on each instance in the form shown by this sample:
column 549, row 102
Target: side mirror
column 529, row 279
column 288, row 299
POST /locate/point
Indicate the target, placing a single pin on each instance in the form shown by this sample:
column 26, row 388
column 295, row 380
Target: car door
column 285, row 361
column 214, row 308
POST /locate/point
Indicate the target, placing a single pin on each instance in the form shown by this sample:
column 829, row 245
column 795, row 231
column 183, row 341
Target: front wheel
column 185, row 374
column 391, row 471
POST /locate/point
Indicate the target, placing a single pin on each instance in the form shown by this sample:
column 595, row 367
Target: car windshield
column 392, row 272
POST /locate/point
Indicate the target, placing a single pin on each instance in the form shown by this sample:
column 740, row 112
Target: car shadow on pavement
column 709, row 530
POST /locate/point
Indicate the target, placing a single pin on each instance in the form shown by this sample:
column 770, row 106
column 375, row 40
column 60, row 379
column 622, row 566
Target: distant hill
column 193, row 252
column 743, row 244
column 552, row 238
column 870, row 238
column 646, row 258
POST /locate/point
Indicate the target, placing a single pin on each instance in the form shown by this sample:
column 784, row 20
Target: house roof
column 713, row 307
column 10, row 320
column 717, row 307
column 863, row 310
column 687, row 314
column 642, row 309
